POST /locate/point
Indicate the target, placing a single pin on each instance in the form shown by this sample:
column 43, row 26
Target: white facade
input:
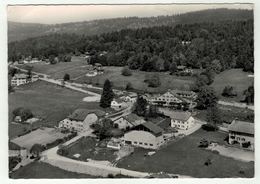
column 182, row 124
column 122, row 123
column 18, row 81
column 79, row 126
column 241, row 138
column 118, row 105
column 167, row 98
column 143, row 139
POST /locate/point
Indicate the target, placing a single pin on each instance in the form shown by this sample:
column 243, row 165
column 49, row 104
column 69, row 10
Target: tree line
column 227, row 44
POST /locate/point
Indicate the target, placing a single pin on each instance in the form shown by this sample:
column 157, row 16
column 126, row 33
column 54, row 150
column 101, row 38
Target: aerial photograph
column 130, row 91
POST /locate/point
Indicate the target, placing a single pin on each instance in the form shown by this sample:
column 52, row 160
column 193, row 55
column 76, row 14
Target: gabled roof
column 180, row 115
column 118, row 100
column 13, row 146
column 81, row 114
column 156, row 130
column 134, row 119
column 163, row 123
column 20, row 76
column 242, row 127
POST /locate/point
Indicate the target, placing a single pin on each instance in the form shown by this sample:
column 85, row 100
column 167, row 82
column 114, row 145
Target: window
column 145, row 144
column 140, row 143
column 238, row 138
column 151, row 144
column 243, row 139
column 135, row 142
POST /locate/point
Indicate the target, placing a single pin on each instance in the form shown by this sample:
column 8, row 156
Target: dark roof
column 242, row 127
column 81, row 114
column 163, row 123
column 133, row 118
column 156, row 130
column 13, row 146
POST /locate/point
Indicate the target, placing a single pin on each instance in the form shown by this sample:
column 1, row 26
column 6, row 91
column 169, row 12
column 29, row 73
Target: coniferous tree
column 107, row 95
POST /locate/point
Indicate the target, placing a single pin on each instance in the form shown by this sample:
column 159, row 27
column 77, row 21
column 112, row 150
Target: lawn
column 186, row 158
column 49, row 102
column 88, row 149
column 58, row 70
column 137, row 79
column 43, row 170
column 233, row 77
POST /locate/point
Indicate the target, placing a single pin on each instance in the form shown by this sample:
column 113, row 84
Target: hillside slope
column 20, row 31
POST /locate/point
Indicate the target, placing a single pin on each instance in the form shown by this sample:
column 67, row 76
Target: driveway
column 235, row 153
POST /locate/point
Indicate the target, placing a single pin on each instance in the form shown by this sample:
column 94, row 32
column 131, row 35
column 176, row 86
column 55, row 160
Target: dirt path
column 236, row 104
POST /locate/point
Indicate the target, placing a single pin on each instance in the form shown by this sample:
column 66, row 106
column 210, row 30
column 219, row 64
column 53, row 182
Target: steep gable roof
column 134, row 119
column 241, row 126
column 180, row 115
column 81, row 114
column 156, row 130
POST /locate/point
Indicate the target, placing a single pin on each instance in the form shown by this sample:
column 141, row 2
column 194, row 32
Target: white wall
column 137, row 137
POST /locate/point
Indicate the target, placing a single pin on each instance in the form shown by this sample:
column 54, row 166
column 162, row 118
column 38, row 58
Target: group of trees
column 107, row 94
column 23, row 113
column 226, row 44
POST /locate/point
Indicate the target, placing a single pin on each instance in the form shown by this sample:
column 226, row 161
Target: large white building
column 175, row 98
column 81, row 119
column 181, row 120
column 242, row 133
column 21, row 78
column 146, row 135
column 128, row 121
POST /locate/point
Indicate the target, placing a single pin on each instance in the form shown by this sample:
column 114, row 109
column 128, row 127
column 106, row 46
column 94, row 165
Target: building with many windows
column 81, row 119
column 242, row 133
column 181, row 120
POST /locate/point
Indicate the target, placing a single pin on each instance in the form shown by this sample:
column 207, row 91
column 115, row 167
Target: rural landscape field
column 162, row 96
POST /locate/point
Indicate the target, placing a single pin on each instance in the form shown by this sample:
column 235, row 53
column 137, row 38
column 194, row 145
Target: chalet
column 19, row 79
column 181, row 120
column 128, row 121
column 98, row 67
column 242, row 133
column 175, row 98
column 130, row 98
column 146, row 135
column 114, row 144
column 16, row 151
column 81, row 119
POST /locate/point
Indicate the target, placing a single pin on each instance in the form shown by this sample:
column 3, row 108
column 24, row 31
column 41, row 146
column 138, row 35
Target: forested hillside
column 226, row 44
column 20, row 31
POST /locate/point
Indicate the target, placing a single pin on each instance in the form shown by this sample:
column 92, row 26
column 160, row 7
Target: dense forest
column 19, row 31
column 221, row 45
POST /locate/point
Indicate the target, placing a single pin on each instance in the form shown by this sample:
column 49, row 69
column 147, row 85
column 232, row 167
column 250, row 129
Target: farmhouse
column 146, row 135
column 81, row 119
column 175, row 98
column 181, row 120
column 19, row 79
column 241, row 132
column 128, row 121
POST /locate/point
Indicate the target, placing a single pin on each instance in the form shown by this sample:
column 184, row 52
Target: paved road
column 236, row 104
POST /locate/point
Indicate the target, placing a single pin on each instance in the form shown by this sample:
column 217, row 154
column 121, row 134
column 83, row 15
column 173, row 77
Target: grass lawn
column 47, row 101
column 233, row 77
column 44, row 170
column 137, row 79
column 87, row 148
column 58, row 70
column 186, row 158
column 229, row 113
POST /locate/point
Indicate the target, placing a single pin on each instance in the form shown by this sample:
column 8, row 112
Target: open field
column 74, row 68
column 44, row 170
column 87, row 148
column 186, row 158
column 137, row 79
column 41, row 136
column 233, row 77
column 49, row 102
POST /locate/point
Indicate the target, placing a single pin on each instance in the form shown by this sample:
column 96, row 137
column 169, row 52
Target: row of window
column 237, row 138
column 140, row 143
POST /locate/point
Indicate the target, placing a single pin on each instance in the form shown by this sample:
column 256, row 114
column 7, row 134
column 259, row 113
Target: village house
column 21, row 78
column 16, row 151
column 242, row 133
column 181, row 120
column 129, row 121
column 118, row 104
column 81, row 119
column 130, row 98
column 146, row 135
